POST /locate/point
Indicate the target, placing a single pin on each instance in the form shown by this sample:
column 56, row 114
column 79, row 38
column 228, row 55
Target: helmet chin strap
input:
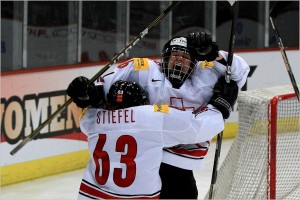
column 176, row 83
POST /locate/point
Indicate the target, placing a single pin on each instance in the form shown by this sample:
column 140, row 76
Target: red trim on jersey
column 193, row 153
column 124, row 64
column 158, row 63
column 198, row 152
column 95, row 192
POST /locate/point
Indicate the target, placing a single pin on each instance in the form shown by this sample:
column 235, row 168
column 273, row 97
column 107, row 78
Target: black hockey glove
column 85, row 95
column 205, row 48
column 225, row 96
column 96, row 95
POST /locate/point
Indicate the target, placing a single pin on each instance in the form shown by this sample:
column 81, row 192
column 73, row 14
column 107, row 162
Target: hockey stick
column 234, row 12
column 273, row 14
column 95, row 77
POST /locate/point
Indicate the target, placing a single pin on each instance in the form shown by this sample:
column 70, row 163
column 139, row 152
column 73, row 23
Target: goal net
column 264, row 159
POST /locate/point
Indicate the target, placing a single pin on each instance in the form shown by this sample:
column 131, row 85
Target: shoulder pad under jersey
column 158, row 63
column 140, row 63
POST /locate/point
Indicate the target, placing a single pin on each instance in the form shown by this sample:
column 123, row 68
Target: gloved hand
column 96, row 94
column 205, row 48
column 225, row 96
column 84, row 94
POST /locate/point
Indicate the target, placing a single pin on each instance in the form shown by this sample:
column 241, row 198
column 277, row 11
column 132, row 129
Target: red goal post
column 264, row 159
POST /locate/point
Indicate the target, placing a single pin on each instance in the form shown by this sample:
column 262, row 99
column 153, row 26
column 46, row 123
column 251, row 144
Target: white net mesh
column 244, row 173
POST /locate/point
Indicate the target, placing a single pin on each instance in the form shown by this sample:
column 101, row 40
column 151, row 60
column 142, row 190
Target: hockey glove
column 96, row 94
column 225, row 96
column 205, row 48
column 85, row 95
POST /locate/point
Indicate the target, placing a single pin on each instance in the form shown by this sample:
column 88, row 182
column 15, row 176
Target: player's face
column 179, row 60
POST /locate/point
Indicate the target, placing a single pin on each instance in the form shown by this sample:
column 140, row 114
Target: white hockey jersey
column 194, row 93
column 126, row 147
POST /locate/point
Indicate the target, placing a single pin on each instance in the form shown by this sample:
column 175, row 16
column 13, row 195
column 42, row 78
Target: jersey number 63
column 126, row 145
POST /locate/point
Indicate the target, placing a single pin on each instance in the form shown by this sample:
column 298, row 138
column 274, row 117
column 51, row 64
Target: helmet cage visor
column 178, row 64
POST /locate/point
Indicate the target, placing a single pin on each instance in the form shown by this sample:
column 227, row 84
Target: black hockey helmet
column 179, row 72
column 123, row 94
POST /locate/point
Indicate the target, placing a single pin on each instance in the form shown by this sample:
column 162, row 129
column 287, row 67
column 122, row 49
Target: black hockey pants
column 177, row 183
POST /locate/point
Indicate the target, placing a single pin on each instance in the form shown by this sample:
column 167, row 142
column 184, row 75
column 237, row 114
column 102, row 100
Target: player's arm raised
column 207, row 50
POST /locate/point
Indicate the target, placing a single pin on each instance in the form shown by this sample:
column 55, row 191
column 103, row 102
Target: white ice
column 65, row 186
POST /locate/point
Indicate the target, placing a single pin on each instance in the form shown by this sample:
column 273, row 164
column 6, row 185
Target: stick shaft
column 216, row 162
column 39, row 128
column 234, row 9
column 95, row 77
column 134, row 41
column 285, row 58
